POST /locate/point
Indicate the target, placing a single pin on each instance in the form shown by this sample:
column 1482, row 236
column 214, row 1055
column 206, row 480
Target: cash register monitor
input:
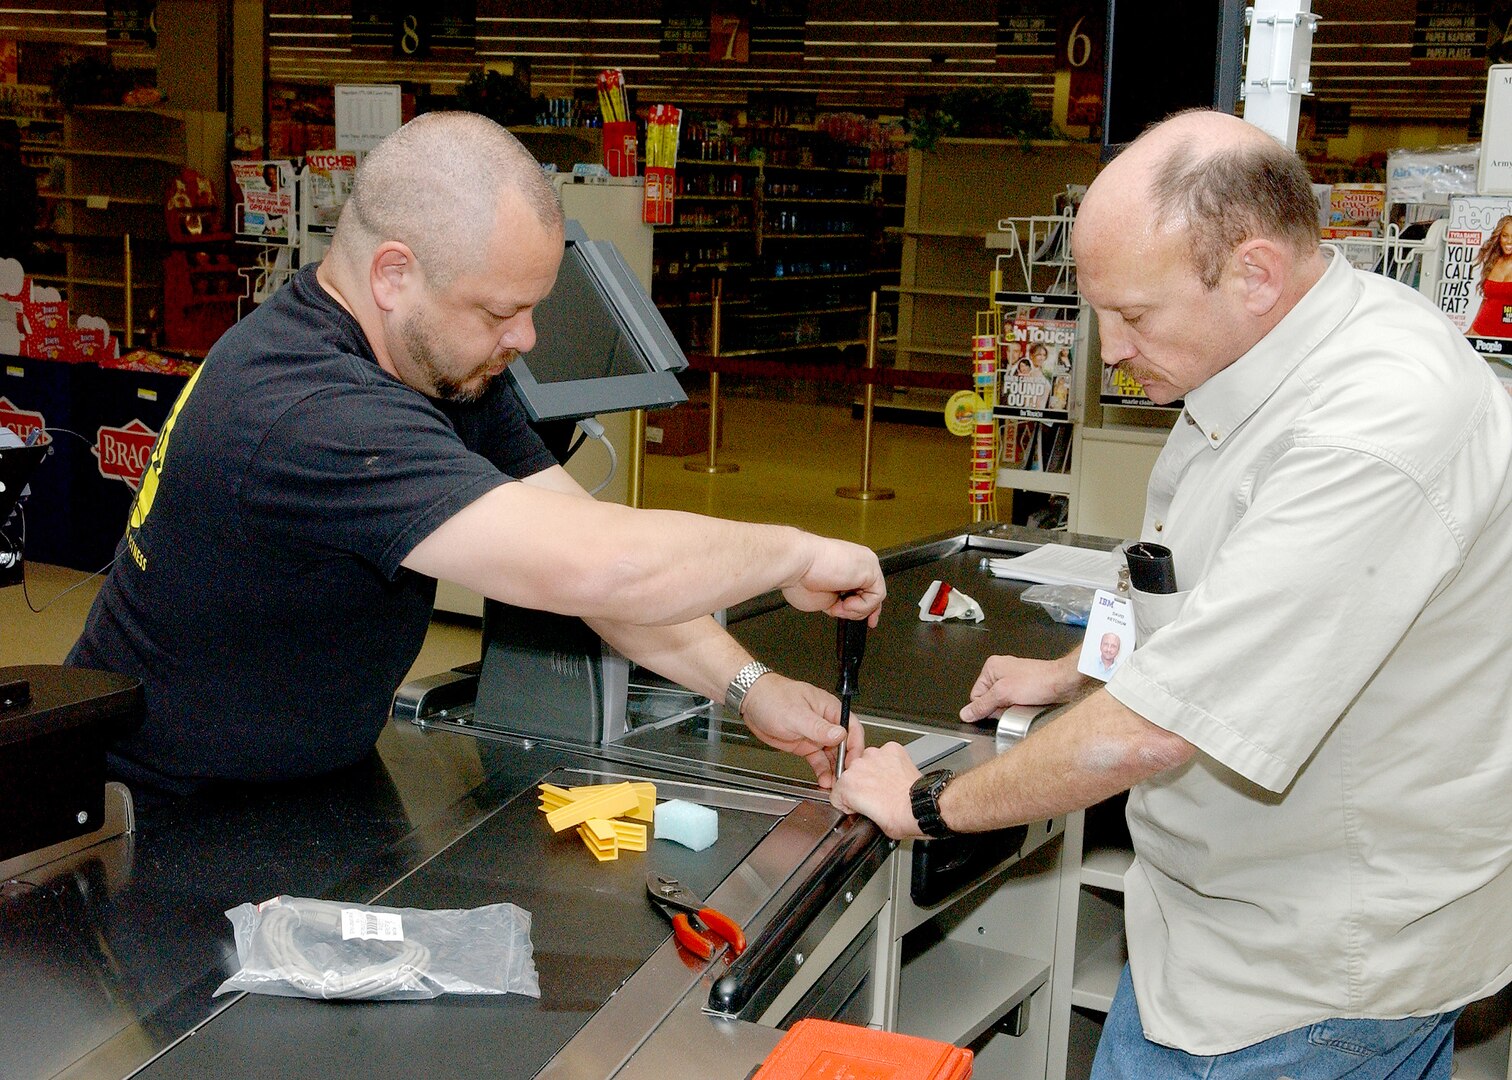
column 601, row 345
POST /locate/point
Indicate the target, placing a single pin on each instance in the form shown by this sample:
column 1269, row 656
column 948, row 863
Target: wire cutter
column 695, row 925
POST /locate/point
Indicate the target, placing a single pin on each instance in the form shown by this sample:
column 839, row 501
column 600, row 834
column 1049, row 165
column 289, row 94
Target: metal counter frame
column 114, row 953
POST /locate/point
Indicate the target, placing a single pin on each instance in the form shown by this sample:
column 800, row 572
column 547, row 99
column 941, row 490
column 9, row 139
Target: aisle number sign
column 411, row 31
column 729, row 39
column 693, row 33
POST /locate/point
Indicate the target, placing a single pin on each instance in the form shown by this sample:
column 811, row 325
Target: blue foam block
column 686, row 823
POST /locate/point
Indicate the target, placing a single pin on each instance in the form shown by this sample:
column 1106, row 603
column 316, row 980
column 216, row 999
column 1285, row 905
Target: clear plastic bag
column 1069, row 604
column 296, row 947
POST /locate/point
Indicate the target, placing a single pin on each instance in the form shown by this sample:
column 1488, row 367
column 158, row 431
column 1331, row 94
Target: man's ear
column 392, row 271
column 1262, row 268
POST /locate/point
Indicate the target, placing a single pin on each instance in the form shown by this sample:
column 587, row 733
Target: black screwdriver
column 850, row 644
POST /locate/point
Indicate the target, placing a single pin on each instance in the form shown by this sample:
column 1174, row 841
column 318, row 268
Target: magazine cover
column 330, row 182
column 267, row 198
column 1475, row 285
column 1036, row 362
column 1121, row 388
column 1355, row 210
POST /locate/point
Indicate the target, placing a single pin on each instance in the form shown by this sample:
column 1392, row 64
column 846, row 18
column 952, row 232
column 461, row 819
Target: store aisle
column 792, row 456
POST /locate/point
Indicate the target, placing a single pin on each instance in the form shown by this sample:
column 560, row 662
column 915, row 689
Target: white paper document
column 1057, row 564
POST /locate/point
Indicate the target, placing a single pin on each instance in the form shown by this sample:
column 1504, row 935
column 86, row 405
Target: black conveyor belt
column 592, row 927
column 914, row 670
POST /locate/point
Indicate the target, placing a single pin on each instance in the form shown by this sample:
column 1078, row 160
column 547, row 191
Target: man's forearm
column 541, row 547
column 698, row 654
column 1094, row 750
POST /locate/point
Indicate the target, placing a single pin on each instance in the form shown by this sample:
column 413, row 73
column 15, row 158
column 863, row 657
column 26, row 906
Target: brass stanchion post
column 637, row 467
column 712, row 465
column 867, row 493
column 126, row 300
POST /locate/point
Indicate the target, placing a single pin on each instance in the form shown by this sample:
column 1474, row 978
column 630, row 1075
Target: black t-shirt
column 258, row 591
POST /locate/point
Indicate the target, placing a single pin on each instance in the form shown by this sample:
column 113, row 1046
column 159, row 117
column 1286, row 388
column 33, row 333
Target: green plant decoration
column 983, row 113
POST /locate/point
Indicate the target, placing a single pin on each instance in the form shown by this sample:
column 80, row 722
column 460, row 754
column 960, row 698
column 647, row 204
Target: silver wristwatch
column 741, row 684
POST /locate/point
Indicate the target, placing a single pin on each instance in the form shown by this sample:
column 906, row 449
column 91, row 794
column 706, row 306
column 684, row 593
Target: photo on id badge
column 1109, row 638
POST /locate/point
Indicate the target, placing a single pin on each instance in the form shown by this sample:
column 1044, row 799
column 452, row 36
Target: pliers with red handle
column 695, row 925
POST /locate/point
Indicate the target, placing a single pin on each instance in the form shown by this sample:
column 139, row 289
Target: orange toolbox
column 824, row 1050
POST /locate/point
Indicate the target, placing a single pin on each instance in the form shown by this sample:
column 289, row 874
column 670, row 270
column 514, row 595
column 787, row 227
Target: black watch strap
column 925, row 797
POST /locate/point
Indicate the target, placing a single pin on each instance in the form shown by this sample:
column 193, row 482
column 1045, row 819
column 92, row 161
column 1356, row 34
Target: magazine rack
column 1040, row 348
column 278, row 257
column 1045, row 343
column 1387, row 254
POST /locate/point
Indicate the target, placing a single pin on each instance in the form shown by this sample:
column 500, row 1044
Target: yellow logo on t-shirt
column 142, row 505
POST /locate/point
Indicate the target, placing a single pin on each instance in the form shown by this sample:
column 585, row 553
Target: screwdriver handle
column 850, row 646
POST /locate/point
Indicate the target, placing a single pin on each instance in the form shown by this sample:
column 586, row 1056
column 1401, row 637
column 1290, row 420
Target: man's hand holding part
column 1016, row 680
column 876, row 783
column 801, row 719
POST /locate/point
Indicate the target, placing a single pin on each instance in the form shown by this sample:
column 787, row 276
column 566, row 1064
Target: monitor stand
column 549, row 676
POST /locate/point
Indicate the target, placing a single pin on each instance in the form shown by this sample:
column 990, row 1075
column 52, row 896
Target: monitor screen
column 1190, row 56
column 601, row 345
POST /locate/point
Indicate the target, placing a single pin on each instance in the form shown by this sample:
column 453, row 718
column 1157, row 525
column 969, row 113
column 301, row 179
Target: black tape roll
column 1151, row 568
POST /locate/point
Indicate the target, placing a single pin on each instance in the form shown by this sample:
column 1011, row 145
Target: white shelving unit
column 118, row 163
column 980, row 968
column 957, row 991
column 957, row 192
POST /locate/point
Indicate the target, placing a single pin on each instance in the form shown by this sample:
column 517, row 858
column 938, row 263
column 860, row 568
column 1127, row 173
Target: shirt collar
column 1225, row 401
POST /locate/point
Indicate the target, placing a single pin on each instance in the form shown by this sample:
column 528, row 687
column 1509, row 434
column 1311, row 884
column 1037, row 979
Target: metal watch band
column 924, row 799
column 741, row 684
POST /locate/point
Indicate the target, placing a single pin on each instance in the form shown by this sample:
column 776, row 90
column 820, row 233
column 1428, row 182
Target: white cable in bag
column 299, row 947
column 287, row 959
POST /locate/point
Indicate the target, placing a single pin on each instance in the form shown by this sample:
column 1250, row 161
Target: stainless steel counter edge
column 635, row 1013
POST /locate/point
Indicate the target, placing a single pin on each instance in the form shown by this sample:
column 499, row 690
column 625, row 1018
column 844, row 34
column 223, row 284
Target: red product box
column 47, row 345
column 660, row 185
column 620, row 148
column 44, row 316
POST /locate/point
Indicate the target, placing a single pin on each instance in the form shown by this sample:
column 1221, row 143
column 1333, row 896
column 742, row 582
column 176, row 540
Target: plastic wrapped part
column 1431, row 174
column 296, row 947
column 1069, row 604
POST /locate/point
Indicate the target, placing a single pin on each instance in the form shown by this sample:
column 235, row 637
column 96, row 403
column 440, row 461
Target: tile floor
column 792, row 456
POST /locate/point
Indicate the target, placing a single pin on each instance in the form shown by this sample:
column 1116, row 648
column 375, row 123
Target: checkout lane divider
column 868, row 377
column 853, row 851
column 713, row 465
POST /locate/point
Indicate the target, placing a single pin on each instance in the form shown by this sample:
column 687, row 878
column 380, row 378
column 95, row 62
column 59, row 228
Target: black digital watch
column 924, row 795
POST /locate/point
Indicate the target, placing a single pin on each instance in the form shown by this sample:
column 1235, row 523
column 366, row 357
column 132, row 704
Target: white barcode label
column 371, row 925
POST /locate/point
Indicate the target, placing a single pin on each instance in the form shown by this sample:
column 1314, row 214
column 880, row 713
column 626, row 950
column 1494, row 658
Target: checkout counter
column 109, row 957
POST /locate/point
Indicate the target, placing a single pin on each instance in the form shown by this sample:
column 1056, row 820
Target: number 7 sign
column 729, row 40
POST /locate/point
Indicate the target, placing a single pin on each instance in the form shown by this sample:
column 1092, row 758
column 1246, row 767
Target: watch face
column 924, row 798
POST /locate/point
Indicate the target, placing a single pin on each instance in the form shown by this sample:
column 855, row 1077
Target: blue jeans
column 1418, row 1048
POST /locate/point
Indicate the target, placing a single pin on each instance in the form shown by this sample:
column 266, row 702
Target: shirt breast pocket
column 1153, row 611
